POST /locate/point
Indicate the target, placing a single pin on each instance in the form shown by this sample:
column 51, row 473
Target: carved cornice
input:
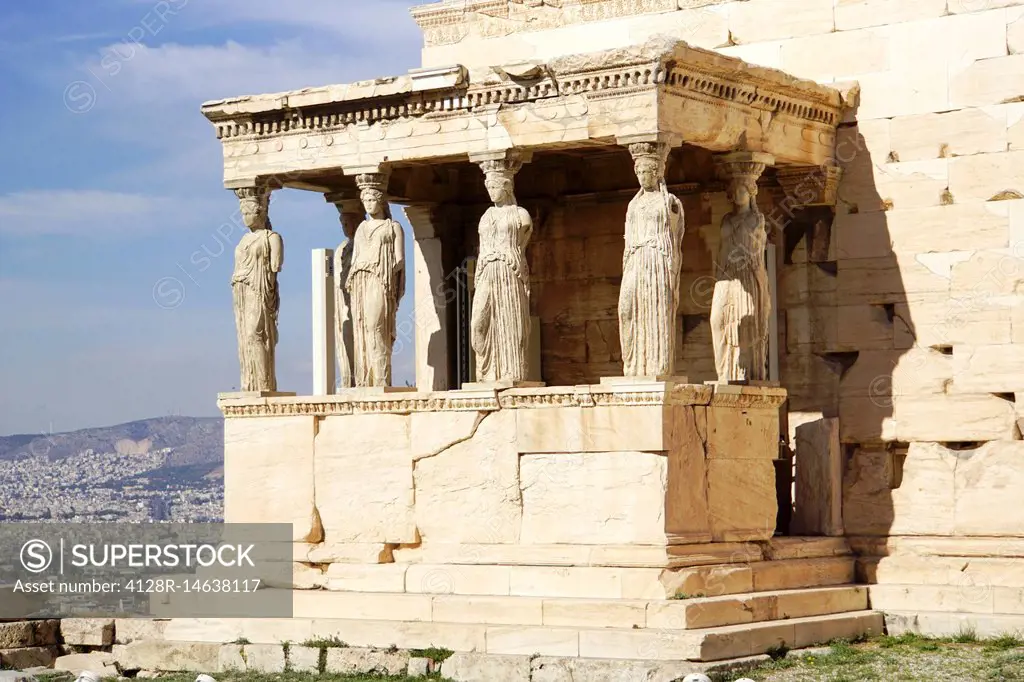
column 674, row 67
column 811, row 186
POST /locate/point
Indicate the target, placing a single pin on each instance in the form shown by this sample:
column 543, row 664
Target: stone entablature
column 688, row 94
column 489, row 400
column 448, row 22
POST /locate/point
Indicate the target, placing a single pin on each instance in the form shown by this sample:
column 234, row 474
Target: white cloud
column 78, row 212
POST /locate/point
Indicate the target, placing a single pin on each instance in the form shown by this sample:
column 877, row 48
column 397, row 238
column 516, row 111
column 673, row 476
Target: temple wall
column 903, row 316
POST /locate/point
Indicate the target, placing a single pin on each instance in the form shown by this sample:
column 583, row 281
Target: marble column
column 651, row 262
column 259, row 258
column 500, row 320
column 432, row 291
column 741, row 306
column 350, row 214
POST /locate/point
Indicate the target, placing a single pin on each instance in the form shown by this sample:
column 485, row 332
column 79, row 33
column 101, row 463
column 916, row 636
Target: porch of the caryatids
column 741, row 306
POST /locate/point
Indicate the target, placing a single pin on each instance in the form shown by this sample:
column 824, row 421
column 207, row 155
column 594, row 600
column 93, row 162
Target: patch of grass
column 684, row 595
column 966, row 635
column 242, row 641
column 1004, row 642
column 325, row 643
column 433, row 653
column 777, row 652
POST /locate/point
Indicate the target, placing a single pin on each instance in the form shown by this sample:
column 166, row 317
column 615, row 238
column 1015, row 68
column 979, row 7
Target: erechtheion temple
column 717, row 313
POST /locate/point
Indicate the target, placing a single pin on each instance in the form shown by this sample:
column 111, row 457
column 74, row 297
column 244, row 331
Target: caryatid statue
column 649, row 295
column 257, row 301
column 375, row 283
column 350, row 214
column 741, row 306
column 501, row 299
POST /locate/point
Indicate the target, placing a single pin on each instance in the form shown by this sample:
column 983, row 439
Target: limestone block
column 470, row 492
column 303, row 659
column 880, row 500
column 1015, row 125
column 268, row 473
column 995, row 273
column 170, row 656
column 76, row 663
column 457, row 579
column 795, row 574
column 956, row 133
column 988, row 81
column 528, row 641
column 962, row 6
column 349, row 553
column 594, row 613
column 987, row 369
column 760, row 20
column 434, row 432
column 712, row 581
column 366, row 661
column 932, row 598
column 984, row 176
column 595, row 498
column 367, row 578
column 885, row 280
column 767, row 54
column 908, row 185
column 686, row 504
column 87, row 631
column 362, row 606
column 885, row 95
column 264, row 658
column 466, row 667
column 16, row 634
column 852, row 14
column 575, row 582
column 922, row 230
column 364, row 479
column 931, row 320
column 488, row 610
column 819, row 479
column 639, row 644
column 419, row 667
column 590, row 429
column 127, row 630
column 46, row 632
column 952, row 42
column 220, row 630
column 384, row 634
column 836, row 56
column 742, row 433
column 884, row 374
column 28, row 657
column 988, row 484
column 741, row 499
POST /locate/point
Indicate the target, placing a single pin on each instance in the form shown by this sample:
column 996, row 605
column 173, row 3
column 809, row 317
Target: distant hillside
column 194, row 440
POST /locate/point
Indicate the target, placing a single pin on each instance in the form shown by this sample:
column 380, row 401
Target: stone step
column 947, row 624
column 709, row 644
column 591, row 581
column 678, row 614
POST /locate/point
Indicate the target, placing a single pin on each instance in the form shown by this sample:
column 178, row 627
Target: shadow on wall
column 849, row 346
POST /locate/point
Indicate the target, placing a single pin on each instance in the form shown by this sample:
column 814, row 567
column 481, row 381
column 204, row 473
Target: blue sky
column 111, row 182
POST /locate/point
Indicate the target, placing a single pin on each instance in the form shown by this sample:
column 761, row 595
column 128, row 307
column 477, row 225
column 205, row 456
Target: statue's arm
column 276, row 252
column 526, row 229
column 399, row 259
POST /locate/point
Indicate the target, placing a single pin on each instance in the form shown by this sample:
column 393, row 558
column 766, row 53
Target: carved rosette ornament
column 259, row 256
column 501, row 299
column 350, row 214
column 651, row 261
column 741, row 305
column 375, row 283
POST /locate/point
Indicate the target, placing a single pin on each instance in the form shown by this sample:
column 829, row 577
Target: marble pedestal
column 613, row 474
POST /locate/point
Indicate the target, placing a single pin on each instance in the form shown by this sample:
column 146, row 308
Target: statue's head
column 373, row 193
column 649, row 160
column 373, row 201
column 500, row 187
column 742, row 191
column 254, row 204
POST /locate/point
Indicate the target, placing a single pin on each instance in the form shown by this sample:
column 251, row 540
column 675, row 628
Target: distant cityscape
column 111, row 482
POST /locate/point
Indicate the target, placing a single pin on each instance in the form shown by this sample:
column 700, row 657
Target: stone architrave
column 741, row 305
column 651, row 261
column 259, row 257
column 375, row 283
column 501, row 302
column 350, row 214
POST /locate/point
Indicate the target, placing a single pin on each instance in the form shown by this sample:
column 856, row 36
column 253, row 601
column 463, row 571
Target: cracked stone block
column 88, row 631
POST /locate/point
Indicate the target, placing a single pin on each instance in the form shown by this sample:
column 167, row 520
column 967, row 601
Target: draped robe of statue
column 741, row 305
column 501, row 299
column 376, row 281
column 257, row 301
column 649, row 295
column 343, row 314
